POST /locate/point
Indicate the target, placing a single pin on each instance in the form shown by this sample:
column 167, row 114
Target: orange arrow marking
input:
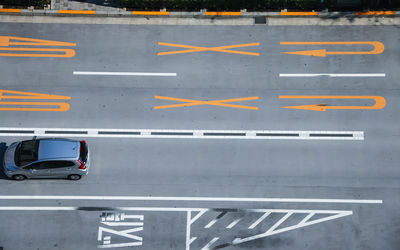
column 189, row 102
column 380, row 102
column 191, row 49
column 7, row 41
column 378, row 48
column 62, row 106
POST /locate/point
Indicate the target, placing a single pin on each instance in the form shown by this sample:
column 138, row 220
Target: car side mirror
column 34, row 138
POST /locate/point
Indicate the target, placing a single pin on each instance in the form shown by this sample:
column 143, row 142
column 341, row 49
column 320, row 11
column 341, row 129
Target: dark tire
column 18, row 177
column 74, row 177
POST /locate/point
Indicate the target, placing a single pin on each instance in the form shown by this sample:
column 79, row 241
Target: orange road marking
column 11, row 10
column 378, row 48
column 151, row 13
column 223, row 13
column 7, row 41
column 380, row 102
column 67, row 52
column 62, row 106
column 216, row 49
column 190, row 102
column 371, row 13
column 294, row 13
column 85, row 12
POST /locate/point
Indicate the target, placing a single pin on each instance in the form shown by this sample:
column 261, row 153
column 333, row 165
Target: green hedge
column 24, row 3
column 220, row 5
column 259, row 5
column 229, row 5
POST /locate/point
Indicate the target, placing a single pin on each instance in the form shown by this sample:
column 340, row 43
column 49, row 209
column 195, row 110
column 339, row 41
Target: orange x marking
column 378, row 48
column 225, row 49
column 62, row 106
column 189, row 102
column 5, row 43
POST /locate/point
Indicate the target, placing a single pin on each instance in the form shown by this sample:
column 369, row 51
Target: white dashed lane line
column 98, row 73
column 185, row 134
column 334, row 75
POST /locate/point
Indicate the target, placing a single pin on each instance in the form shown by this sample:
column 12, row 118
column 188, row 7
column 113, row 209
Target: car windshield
column 26, row 152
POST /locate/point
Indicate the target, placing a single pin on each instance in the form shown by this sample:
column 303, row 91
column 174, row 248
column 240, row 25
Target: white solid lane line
column 185, row 134
column 98, row 73
column 333, row 75
column 173, row 198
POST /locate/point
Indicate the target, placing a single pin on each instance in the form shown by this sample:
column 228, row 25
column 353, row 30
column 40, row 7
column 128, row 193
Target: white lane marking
column 98, row 73
column 132, row 216
column 233, row 223
column 277, row 224
column 272, row 231
column 198, row 215
column 182, row 198
column 211, row 223
column 188, row 218
column 208, row 245
column 52, row 208
column 163, row 209
column 333, row 75
column 130, row 244
column 252, row 226
column 112, row 224
column 306, row 218
column 10, row 208
column 192, row 239
column 186, row 134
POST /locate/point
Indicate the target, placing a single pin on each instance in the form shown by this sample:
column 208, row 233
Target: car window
column 26, row 152
column 35, row 165
column 56, row 164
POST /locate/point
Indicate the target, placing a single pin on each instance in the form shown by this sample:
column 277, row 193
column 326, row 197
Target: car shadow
column 3, row 148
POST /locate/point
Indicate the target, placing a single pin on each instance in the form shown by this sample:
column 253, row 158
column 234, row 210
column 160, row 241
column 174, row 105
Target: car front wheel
column 74, row 177
column 19, row 177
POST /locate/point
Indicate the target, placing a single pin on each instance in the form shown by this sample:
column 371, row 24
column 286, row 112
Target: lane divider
column 334, row 75
column 374, row 13
column 99, row 73
column 223, row 13
column 75, row 12
column 151, row 13
column 10, row 10
column 186, row 198
column 183, row 134
column 297, row 13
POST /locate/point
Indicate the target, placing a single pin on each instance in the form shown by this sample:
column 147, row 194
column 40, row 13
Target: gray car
column 47, row 158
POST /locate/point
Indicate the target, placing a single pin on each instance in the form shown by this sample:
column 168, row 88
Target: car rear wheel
column 19, row 177
column 74, row 177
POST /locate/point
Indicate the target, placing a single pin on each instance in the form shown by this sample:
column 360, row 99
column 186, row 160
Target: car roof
column 58, row 148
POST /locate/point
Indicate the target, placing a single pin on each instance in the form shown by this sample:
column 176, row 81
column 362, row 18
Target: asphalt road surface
column 323, row 174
